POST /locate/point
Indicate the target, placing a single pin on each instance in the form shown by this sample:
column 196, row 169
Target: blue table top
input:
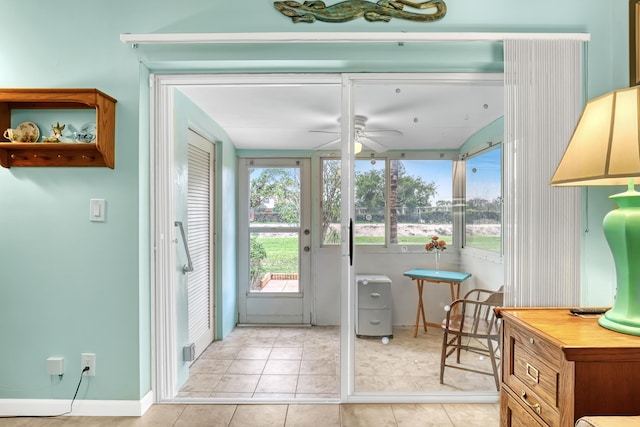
column 449, row 276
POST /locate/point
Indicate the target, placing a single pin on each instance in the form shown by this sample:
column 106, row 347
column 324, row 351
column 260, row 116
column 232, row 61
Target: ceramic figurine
column 56, row 133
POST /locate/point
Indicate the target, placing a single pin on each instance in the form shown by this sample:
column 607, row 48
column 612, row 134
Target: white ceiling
column 432, row 115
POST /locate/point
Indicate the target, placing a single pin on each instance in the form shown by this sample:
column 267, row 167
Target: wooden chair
column 471, row 325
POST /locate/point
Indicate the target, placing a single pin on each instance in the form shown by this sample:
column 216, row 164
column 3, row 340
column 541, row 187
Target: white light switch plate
column 96, row 210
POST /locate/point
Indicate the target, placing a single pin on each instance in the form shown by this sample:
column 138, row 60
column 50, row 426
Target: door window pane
column 483, row 212
column 274, row 262
column 274, row 226
column 275, row 197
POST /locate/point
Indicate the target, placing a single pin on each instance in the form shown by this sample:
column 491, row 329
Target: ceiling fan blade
column 382, row 133
column 327, row 145
column 323, row 131
column 374, row 145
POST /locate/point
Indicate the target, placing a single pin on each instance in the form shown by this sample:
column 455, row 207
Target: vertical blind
column 543, row 101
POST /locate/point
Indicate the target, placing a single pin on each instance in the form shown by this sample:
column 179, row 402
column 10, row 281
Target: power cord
column 85, row 369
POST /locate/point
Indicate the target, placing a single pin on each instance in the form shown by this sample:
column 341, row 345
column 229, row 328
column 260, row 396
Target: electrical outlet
column 88, row 360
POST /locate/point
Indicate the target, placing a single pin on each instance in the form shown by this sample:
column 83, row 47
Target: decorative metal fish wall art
column 383, row 10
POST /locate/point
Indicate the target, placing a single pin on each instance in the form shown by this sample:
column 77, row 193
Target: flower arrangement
column 435, row 244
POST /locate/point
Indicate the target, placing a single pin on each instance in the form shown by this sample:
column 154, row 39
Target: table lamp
column 605, row 150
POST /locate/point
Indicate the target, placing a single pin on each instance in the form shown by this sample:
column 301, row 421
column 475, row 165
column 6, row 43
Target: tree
column 279, row 187
column 407, row 192
column 393, row 201
column 370, row 191
column 413, row 191
column 330, row 199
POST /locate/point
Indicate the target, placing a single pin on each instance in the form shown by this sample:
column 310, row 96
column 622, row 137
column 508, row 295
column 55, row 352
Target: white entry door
column 276, row 240
column 201, row 295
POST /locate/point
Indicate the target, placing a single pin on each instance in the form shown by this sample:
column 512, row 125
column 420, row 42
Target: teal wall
column 68, row 285
column 493, row 132
column 188, row 116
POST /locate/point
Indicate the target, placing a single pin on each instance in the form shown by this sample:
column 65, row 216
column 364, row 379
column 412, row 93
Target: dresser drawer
column 513, row 414
column 374, row 323
column 533, row 374
column 534, row 344
column 376, row 295
column 536, row 375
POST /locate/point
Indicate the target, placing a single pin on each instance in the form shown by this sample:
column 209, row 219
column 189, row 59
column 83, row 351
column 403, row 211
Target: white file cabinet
column 374, row 306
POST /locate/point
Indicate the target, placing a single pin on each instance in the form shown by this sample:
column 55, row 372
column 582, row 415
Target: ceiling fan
column 362, row 137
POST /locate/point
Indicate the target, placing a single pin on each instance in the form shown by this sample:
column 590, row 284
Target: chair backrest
column 497, row 298
column 477, row 312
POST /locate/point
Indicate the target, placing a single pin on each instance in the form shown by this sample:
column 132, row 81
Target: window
column 330, row 204
column 422, row 205
column 404, row 201
column 370, row 202
column 483, row 212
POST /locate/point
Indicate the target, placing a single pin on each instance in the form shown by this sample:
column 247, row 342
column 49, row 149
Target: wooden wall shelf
column 98, row 153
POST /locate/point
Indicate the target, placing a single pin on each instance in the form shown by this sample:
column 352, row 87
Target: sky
column 483, row 174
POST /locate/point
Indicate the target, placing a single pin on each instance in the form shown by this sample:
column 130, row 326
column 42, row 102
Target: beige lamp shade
column 605, row 146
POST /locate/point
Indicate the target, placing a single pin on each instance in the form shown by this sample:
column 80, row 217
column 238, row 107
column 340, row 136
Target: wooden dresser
column 557, row 367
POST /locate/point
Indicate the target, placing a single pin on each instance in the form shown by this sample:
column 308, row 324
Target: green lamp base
column 622, row 229
column 625, row 325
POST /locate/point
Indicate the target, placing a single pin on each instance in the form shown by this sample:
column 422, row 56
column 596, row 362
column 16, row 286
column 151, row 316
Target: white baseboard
column 85, row 408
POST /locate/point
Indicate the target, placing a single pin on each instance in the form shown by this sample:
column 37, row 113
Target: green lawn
column 282, row 252
column 490, row 243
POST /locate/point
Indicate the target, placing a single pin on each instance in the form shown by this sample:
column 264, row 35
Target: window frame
column 387, row 157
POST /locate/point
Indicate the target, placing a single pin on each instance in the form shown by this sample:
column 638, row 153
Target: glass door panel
column 408, row 138
column 278, row 246
column 274, row 227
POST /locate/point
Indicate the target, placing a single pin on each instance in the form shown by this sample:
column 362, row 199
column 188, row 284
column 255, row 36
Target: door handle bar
column 350, row 241
column 189, row 266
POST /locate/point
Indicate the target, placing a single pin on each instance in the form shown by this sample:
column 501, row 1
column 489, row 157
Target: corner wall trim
column 83, row 408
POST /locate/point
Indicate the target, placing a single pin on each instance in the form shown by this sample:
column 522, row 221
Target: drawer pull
column 532, row 341
column 534, row 406
column 374, row 295
column 374, row 322
column 533, row 373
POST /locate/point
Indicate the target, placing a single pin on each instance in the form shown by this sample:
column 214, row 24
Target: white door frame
column 283, row 308
column 164, row 360
column 164, row 238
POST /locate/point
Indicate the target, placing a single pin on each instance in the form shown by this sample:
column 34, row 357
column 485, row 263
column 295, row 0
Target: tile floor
column 345, row 415
column 267, row 362
column 302, row 363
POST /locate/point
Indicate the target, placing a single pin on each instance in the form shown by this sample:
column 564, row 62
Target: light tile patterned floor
column 303, row 362
column 345, row 415
column 269, row 362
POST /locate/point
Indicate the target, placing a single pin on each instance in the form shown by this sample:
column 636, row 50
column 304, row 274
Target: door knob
column 307, row 249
